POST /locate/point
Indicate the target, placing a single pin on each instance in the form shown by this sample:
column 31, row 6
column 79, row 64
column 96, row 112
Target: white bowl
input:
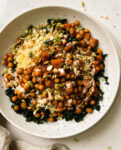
column 61, row 129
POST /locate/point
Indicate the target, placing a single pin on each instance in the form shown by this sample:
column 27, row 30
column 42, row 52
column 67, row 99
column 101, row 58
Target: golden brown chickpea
column 79, row 82
column 8, row 85
column 10, row 59
column 73, row 96
column 44, row 95
column 10, row 55
column 83, row 43
column 93, row 42
column 69, row 56
column 51, row 119
column 64, row 42
column 48, row 83
column 75, row 90
column 88, row 53
column 32, row 94
column 89, row 110
column 42, row 113
column 82, row 106
column 14, row 98
column 60, row 104
column 60, row 109
column 26, row 87
column 57, row 80
column 62, row 98
column 69, row 91
column 76, row 23
column 29, row 70
column 79, row 101
column 4, row 62
column 34, row 79
column 86, row 30
column 55, row 114
column 72, row 31
column 20, row 81
column 55, row 102
column 55, row 71
column 27, row 77
column 23, row 105
column 81, row 32
column 36, row 61
column 79, row 36
column 37, row 86
column 68, row 76
column 10, row 77
column 37, row 115
column 20, row 70
column 74, row 102
column 6, row 57
column 16, row 107
column 63, row 80
column 66, row 49
column 78, row 111
column 69, row 61
column 41, row 87
column 34, row 102
column 92, row 102
column 37, row 73
column 10, row 65
column 87, row 36
column 6, row 75
column 80, row 89
column 52, row 48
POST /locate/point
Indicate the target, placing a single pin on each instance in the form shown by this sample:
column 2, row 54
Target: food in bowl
column 52, row 72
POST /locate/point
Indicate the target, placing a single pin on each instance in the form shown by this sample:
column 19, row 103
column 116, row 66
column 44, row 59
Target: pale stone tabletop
column 105, row 135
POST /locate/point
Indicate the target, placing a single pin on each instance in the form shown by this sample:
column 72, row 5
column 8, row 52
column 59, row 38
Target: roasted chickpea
column 6, row 57
column 73, row 96
column 55, row 71
column 32, row 94
column 41, row 87
column 75, row 90
column 6, row 75
column 26, row 87
column 10, row 55
column 10, row 65
column 16, row 107
column 34, row 79
column 69, row 91
column 64, row 42
column 10, row 59
column 36, row 61
column 37, row 115
column 34, row 102
column 60, row 104
column 36, row 86
column 23, row 105
column 62, row 98
column 63, row 80
column 48, row 83
column 14, row 98
column 42, row 113
column 55, row 114
column 76, row 23
column 86, row 30
column 20, row 70
column 29, row 70
column 93, row 42
column 27, row 77
column 10, row 77
column 79, row 36
column 4, row 62
column 83, row 43
column 80, row 89
column 57, row 80
column 89, row 110
column 52, row 48
column 51, row 119
column 78, row 111
column 74, row 102
column 92, row 102
column 55, row 102
column 79, row 82
column 68, row 76
column 72, row 31
column 44, row 95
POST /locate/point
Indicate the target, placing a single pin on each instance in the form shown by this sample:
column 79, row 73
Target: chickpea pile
column 63, row 82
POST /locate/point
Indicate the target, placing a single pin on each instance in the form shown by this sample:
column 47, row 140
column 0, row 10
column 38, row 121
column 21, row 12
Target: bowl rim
column 118, row 62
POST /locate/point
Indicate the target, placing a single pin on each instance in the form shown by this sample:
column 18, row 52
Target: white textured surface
column 107, row 133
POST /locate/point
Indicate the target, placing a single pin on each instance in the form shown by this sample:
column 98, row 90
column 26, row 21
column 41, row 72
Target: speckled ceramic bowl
column 61, row 128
